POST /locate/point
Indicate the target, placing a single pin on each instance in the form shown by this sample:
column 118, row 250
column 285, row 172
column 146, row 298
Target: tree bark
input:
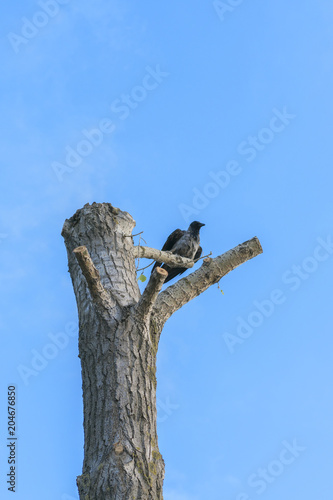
column 119, row 331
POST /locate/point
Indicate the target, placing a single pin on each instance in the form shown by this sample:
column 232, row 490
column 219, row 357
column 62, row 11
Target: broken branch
column 151, row 292
column 97, row 291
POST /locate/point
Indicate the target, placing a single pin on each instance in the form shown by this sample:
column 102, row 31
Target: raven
column 184, row 243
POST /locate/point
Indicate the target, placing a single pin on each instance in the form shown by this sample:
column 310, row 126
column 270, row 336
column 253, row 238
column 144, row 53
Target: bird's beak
column 202, row 224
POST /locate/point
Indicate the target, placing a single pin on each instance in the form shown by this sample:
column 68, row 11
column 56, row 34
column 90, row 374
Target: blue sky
column 220, row 112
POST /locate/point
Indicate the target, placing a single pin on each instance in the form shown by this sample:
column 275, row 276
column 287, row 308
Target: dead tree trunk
column 118, row 341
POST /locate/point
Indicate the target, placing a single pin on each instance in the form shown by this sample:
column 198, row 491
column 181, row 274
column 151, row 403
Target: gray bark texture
column 119, row 331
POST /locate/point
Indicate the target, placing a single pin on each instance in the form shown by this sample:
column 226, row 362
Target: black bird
column 184, row 243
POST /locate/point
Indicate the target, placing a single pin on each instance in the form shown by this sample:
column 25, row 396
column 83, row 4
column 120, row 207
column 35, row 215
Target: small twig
column 132, row 235
column 139, row 248
column 204, row 257
column 143, row 268
column 139, row 255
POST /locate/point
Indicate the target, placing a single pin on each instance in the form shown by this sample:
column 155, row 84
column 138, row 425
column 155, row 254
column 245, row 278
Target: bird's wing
column 170, row 242
column 198, row 254
column 175, row 271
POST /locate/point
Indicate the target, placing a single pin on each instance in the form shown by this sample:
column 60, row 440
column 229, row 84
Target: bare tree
column 118, row 340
